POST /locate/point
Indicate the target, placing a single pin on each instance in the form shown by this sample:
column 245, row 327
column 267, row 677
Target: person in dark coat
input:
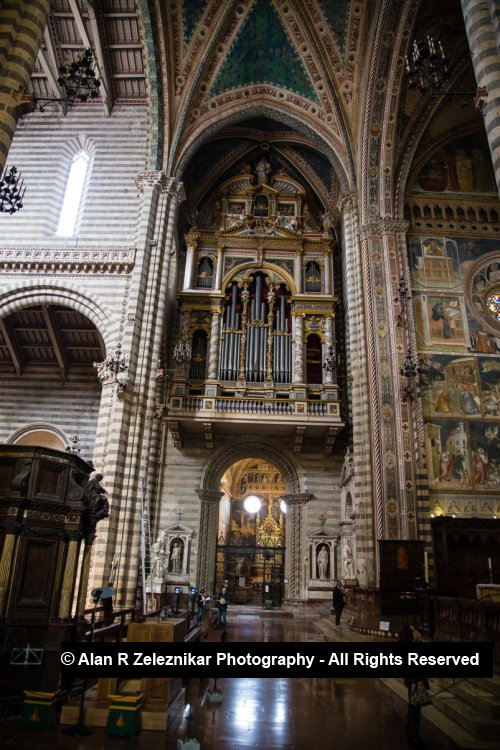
column 338, row 601
column 221, row 601
column 410, row 634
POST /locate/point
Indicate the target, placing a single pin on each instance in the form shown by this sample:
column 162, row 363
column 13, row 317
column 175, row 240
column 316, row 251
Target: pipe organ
column 257, row 290
column 256, row 343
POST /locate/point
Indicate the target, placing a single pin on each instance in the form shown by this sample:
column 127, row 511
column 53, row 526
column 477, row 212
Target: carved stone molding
column 380, row 227
column 347, row 201
column 158, row 178
column 68, row 260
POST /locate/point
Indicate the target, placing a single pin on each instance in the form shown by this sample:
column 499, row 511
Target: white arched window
column 73, row 195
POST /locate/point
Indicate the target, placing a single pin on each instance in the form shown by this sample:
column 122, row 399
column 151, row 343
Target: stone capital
column 297, row 499
column 209, row 496
column 347, row 201
column 380, row 227
column 151, row 178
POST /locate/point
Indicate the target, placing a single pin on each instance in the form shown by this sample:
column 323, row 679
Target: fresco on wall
column 449, row 386
column 481, row 341
column 440, row 321
column 448, row 455
column 462, row 167
column 485, row 448
column 489, row 373
column 442, row 262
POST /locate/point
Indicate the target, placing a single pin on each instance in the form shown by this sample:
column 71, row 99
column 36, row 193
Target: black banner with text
column 141, row 660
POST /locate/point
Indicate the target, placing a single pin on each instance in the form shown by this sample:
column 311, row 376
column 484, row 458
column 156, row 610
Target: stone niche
column 171, row 557
column 322, row 564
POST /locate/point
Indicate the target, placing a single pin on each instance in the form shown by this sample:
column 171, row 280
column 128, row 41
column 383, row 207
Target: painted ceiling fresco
column 337, row 15
column 262, row 53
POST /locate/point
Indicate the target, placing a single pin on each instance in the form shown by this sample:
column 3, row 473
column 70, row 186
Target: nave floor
column 262, row 714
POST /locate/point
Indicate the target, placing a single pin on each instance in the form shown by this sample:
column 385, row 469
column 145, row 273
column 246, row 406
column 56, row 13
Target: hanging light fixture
column 78, row 81
column 182, row 352
column 409, row 371
column 11, row 191
column 427, row 70
column 330, row 359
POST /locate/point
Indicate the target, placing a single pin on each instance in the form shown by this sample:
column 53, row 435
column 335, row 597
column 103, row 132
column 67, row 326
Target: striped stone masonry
column 21, row 31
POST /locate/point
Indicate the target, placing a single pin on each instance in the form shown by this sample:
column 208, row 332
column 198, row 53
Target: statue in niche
column 348, row 561
column 175, row 560
column 158, row 568
column 322, row 560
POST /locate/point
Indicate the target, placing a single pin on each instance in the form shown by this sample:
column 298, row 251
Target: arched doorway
column 250, row 556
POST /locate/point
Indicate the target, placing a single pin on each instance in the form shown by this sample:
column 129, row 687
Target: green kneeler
column 39, row 710
column 124, row 715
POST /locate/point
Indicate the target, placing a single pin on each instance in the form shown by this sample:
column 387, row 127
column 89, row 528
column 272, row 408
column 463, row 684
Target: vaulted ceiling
column 322, row 81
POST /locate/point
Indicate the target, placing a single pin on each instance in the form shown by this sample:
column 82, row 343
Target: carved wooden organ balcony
column 256, row 343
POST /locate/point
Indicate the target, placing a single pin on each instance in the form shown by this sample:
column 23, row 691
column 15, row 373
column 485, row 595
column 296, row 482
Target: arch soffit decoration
column 291, row 471
column 283, row 275
column 383, row 101
column 323, row 139
column 20, row 298
column 195, row 69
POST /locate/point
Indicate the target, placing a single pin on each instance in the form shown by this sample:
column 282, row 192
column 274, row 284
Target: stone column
column 298, row 360
column 22, row 25
column 209, row 516
column 296, row 547
column 481, row 23
column 297, row 269
column 328, row 270
column 220, row 264
column 68, row 580
column 213, row 355
column 356, row 366
column 327, row 374
column 5, row 568
column 131, row 455
column 191, row 242
column 84, row 579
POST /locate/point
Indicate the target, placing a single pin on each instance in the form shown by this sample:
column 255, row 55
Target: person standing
column 202, row 599
column 221, row 601
column 338, row 601
column 409, row 634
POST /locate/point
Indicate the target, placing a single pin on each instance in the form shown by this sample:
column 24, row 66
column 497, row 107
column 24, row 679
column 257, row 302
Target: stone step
column 467, row 716
column 442, row 729
column 491, row 684
column 478, row 696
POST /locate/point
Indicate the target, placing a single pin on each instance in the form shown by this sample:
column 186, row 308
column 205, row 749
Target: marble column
column 213, row 355
column 298, row 360
column 189, row 267
column 481, row 25
column 328, row 346
column 297, row 270
column 22, row 26
column 296, row 547
column 128, row 458
column 209, row 517
column 218, row 271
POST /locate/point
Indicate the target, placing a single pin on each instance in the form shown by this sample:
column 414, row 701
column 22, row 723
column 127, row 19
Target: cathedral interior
column 250, row 317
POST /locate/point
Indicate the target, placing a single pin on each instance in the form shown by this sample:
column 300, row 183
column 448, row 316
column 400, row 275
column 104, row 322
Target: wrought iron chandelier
column 182, row 352
column 409, row 371
column 11, row 191
column 330, row 360
column 78, row 81
column 428, row 71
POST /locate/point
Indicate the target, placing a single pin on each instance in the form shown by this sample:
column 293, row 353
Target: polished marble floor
column 263, row 714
